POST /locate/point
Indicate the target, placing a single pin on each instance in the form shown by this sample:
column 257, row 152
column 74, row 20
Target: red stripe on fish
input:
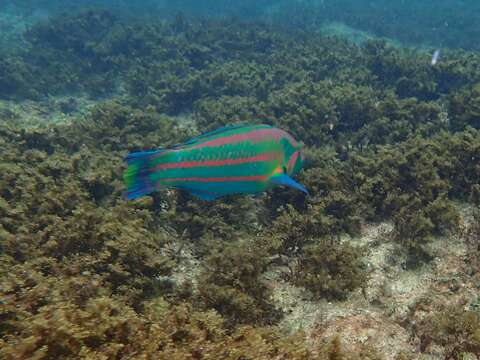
column 191, row 164
column 292, row 161
column 218, row 179
column 253, row 136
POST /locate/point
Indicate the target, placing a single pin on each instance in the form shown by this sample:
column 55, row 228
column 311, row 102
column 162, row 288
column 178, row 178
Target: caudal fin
column 137, row 175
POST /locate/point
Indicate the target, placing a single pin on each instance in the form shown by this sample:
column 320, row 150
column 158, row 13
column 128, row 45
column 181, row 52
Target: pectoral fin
column 288, row 181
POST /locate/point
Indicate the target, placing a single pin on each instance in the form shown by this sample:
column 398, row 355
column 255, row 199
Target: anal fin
column 204, row 195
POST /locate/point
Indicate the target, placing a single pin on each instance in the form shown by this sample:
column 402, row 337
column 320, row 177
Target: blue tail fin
column 136, row 176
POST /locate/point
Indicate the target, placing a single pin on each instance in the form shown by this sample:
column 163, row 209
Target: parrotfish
column 231, row 160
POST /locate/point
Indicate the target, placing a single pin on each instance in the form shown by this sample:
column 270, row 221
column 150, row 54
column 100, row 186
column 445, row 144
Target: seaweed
column 331, row 269
column 105, row 327
column 15, row 78
column 294, row 230
column 231, row 284
column 471, row 236
column 463, row 108
column 457, row 330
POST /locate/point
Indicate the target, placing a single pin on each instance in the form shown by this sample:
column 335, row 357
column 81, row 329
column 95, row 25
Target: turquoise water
column 442, row 23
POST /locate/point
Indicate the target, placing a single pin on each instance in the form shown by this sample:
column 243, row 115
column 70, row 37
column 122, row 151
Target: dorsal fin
column 220, row 130
column 212, row 133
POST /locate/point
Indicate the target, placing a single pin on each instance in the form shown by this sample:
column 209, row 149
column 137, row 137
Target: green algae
column 81, row 267
column 230, row 284
column 456, row 329
column 331, row 270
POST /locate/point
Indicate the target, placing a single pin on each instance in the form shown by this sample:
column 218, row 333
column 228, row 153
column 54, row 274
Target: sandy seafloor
column 372, row 316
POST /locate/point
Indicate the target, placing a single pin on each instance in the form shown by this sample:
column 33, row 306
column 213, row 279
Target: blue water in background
column 440, row 23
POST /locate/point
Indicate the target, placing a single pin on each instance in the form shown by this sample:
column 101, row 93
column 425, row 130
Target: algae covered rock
column 465, row 108
column 331, row 270
column 231, row 284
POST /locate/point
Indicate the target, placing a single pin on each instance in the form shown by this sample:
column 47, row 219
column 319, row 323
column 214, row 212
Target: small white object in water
column 435, row 57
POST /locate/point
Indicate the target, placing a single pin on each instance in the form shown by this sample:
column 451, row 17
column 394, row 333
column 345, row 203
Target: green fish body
column 230, row 160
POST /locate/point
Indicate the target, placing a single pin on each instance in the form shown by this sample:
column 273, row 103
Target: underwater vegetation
column 443, row 23
column 458, row 331
column 80, row 266
column 330, row 270
column 84, row 273
column 178, row 65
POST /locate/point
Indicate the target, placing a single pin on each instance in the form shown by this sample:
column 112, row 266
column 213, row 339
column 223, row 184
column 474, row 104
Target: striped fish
column 231, row 160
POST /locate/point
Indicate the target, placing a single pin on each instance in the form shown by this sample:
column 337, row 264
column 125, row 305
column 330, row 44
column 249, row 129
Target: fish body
column 230, row 160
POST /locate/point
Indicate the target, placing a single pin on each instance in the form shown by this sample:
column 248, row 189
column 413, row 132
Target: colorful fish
column 231, row 160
